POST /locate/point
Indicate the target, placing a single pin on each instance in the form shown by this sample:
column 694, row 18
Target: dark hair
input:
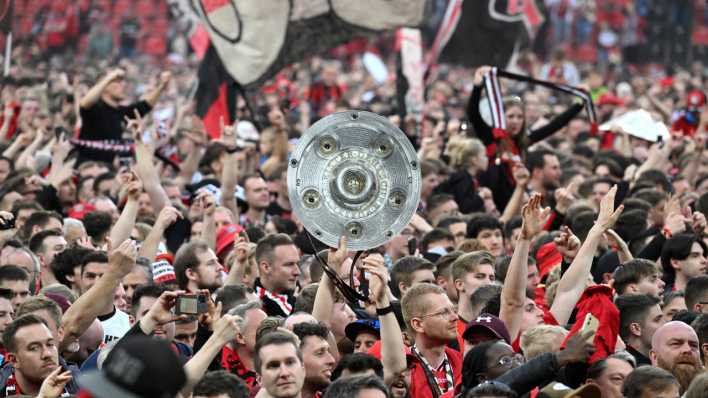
column 696, row 290
column 646, row 378
column 484, row 221
column 97, row 224
column 702, row 203
column 221, row 382
column 358, row 362
column 185, row 258
column 657, row 178
column 511, row 225
column 39, row 218
column 8, row 336
column 307, row 329
column 443, row 267
column 273, row 338
column 267, row 245
column 445, row 222
column 596, row 369
column 581, row 224
column 678, row 247
column 636, row 203
column 230, row 296
column 631, row 272
column 633, row 308
column 434, row 201
column 25, row 205
column 13, row 273
column 434, row 235
column 36, row 242
column 305, row 301
column 491, row 389
column 64, row 263
column 474, row 363
column 404, row 268
column 283, row 225
column 255, row 234
column 141, row 291
column 700, row 325
column 631, row 224
column 501, row 267
column 93, row 257
column 536, row 159
column 486, row 295
column 107, row 176
column 650, row 195
column 349, row 387
column 7, row 294
column 670, row 296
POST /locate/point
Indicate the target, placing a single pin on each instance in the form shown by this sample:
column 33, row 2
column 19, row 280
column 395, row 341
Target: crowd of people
column 144, row 256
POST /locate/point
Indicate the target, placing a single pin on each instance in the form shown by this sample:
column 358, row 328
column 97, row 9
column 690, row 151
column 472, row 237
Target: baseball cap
column 353, row 329
column 487, row 323
column 560, row 390
column 139, row 367
column 226, row 237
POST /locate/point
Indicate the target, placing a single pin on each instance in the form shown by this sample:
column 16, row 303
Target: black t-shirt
column 102, row 122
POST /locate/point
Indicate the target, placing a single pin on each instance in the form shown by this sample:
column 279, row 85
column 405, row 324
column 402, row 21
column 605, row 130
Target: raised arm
column 513, row 292
column 98, row 300
column 209, row 225
column 168, row 215
column 145, row 165
column 121, row 230
column 324, row 298
column 521, row 176
column 484, row 132
column 230, row 175
column 225, row 330
column 94, row 93
column 393, row 354
column 572, row 283
column 153, row 95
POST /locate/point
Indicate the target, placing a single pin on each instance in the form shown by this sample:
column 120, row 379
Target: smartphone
column 124, row 162
column 191, row 304
column 412, row 246
column 590, row 323
column 622, row 190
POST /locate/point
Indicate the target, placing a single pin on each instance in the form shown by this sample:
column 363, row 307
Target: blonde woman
column 467, row 158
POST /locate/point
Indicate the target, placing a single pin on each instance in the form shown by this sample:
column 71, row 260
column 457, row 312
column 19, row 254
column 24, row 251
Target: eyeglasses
column 507, row 360
column 447, row 312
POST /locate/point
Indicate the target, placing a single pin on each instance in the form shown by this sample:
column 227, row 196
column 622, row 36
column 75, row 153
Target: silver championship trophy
column 356, row 174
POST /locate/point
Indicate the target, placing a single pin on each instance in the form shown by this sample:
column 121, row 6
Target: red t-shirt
column 419, row 382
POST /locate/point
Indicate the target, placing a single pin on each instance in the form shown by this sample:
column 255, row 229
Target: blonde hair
column 470, row 245
column 541, row 339
column 462, row 149
column 415, row 302
column 468, row 262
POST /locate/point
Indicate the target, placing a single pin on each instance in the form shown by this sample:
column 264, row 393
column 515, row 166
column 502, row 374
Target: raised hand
column 674, row 219
column 161, row 311
column 228, row 134
column 168, row 215
column 578, row 349
column 123, row 258
column 226, row 328
column 213, row 311
column 533, row 217
column 53, row 385
column 567, row 244
column 521, row 175
column 698, row 222
column 608, row 214
column 479, row 74
column 115, row 74
column 335, row 258
column 208, row 203
column 564, row 198
column 134, row 187
column 374, row 266
column 165, row 77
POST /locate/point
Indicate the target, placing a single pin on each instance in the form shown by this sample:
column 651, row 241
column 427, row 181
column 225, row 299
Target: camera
column 7, row 223
column 191, row 304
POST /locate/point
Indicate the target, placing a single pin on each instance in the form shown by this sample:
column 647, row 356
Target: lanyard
column 430, row 374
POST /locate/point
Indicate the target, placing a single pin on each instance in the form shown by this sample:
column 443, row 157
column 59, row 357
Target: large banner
column 257, row 38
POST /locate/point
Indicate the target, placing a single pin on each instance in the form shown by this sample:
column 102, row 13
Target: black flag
column 7, row 11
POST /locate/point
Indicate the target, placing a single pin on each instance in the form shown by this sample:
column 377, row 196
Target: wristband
column 385, row 310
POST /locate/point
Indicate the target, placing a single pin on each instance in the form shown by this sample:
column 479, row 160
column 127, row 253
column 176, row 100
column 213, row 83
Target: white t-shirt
column 115, row 325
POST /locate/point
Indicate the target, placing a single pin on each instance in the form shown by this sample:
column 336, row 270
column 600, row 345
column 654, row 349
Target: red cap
column 609, row 99
column 547, row 257
column 695, row 99
column 226, row 237
column 668, row 81
column 79, row 210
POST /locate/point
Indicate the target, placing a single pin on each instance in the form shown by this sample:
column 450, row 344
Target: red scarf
column 12, row 387
column 231, row 362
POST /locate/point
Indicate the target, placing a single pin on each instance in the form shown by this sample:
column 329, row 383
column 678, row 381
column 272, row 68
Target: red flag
column 597, row 300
